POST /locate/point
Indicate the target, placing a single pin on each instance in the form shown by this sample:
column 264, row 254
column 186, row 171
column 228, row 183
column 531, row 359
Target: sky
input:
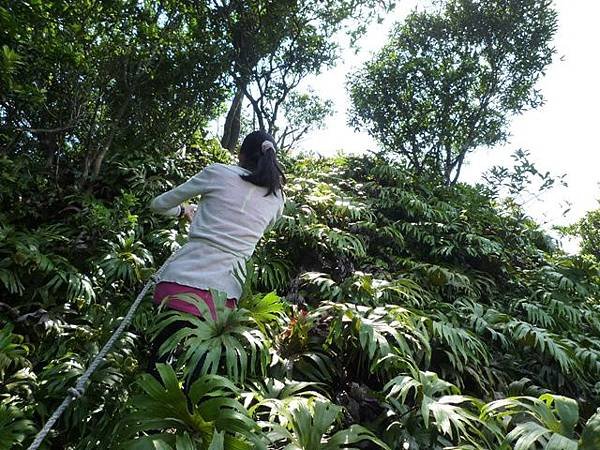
column 561, row 135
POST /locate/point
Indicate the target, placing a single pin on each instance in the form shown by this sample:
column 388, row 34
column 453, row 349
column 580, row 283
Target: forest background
column 393, row 306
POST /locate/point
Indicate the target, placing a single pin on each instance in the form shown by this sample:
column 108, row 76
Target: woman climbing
column 237, row 204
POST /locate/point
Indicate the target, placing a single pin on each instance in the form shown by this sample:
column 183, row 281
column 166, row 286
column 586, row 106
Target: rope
column 78, row 390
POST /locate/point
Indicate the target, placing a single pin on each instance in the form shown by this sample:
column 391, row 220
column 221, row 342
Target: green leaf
column 590, row 437
column 218, row 441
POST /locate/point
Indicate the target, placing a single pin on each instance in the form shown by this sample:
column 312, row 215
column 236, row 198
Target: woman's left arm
column 170, row 202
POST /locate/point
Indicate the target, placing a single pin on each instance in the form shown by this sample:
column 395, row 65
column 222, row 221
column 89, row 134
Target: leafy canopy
column 449, row 79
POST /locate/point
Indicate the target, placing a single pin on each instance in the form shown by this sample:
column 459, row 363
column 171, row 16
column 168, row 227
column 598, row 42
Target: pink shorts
column 167, row 288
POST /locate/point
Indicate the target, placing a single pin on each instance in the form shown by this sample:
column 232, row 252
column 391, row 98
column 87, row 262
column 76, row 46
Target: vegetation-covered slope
column 391, row 307
column 430, row 315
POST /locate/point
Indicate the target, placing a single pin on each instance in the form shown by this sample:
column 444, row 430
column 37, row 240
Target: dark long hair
column 262, row 162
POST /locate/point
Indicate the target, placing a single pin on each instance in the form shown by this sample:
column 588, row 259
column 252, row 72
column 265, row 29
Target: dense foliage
column 84, row 82
column 409, row 312
column 385, row 309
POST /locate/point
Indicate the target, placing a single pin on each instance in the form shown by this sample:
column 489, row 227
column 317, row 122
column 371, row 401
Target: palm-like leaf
column 463, row 347
column 553, row 425
column 590, row 438
column 272, row 396
column 365, row 289
column 426, row 386
column 208, row 409
column 544, row 341
column 456, row 416
column 381, row 332
column 127, row 260
column 12, row 351
column 229, row 343
column 14, row 428
column 308, row 429
column 263, row 309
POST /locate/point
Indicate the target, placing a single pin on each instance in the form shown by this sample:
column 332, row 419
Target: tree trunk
column 49, row 144
column 99, row 159
column 231, row 131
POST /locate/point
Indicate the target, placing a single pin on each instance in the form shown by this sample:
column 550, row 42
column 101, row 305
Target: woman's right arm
column 170, row 202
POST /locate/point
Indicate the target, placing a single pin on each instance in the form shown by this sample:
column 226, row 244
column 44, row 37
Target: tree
column 302, row 112
column 291, row 121
column 275, row 80
column 254, row 29
column 516, row 182
column 449, row 79
column 275, row 44
column 588, row 230
column 102, row 78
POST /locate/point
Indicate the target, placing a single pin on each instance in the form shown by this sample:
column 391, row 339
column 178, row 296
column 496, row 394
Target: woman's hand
column 190, row 212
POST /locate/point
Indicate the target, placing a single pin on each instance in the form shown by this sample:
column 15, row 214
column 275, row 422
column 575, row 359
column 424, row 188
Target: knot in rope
column 76, row 392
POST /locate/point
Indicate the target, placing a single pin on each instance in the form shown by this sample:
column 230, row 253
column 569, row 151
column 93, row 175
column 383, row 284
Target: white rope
column 79, row 388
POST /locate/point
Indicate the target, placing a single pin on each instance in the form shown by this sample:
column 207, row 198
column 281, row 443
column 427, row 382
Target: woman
column 238, row 203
